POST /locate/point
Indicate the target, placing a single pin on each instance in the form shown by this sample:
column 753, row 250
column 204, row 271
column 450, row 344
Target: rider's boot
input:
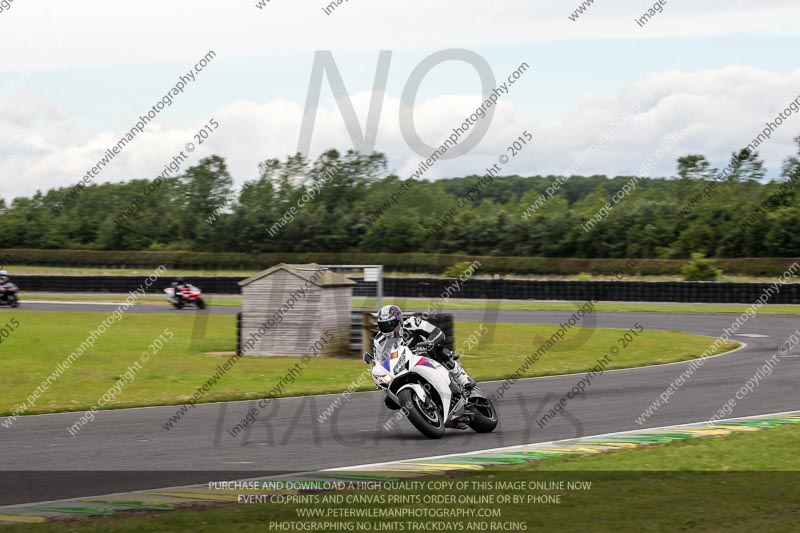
column 460, row 376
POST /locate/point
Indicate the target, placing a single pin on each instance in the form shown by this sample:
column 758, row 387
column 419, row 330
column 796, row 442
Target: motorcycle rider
column 419, row 332
column 179, row 284
column 8, row 290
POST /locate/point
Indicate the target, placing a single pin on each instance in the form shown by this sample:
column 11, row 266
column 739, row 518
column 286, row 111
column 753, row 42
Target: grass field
column 44, row 339
column 424, row 303
column 742, row 482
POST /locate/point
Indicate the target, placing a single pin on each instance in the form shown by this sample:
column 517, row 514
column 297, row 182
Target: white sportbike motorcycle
column 425, row 392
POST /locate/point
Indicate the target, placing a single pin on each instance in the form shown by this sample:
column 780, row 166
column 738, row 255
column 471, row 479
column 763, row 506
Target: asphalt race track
column 288, row 437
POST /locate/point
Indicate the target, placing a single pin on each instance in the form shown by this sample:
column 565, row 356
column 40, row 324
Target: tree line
column 338, row 203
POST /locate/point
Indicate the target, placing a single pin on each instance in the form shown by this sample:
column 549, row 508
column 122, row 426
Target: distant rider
column 4, row 277
column 179, row 284
column 419, row 332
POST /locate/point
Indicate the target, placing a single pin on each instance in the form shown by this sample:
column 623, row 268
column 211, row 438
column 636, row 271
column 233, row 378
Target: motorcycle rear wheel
column 484, row 418
column 425, row 416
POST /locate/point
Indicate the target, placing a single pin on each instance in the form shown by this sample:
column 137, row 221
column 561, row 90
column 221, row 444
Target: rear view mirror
column 368, row 359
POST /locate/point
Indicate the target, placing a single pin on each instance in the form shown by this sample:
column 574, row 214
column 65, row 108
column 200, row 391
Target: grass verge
column 44, row 339
column 420, row 304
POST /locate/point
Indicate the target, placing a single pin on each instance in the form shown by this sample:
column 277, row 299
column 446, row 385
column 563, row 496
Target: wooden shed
column 296, row 310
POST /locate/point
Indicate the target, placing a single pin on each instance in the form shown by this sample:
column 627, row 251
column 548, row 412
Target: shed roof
column 311, row 272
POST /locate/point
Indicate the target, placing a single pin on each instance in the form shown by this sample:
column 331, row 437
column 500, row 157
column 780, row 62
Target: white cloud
column 721, row 110
column 724, row 110
column 46, row 142
column 25, row 110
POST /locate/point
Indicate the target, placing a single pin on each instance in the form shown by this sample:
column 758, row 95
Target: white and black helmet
column 390, row 321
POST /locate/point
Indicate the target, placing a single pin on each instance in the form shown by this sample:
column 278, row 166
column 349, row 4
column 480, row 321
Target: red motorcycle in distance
column 189, row 295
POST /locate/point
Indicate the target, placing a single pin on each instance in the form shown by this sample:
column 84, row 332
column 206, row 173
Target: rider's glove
column 424, row 346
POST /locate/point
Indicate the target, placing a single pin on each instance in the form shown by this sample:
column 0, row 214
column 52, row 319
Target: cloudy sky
column 702, row 76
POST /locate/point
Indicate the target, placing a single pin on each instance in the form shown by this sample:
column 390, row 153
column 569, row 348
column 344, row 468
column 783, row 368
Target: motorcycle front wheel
column 200, row 303
column 13, row 301
column 424, row 415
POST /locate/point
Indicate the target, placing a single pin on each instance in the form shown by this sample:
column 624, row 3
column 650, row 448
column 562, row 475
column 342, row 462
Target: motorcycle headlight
column 385, row 379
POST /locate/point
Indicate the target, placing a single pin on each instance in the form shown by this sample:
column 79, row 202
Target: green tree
column 700, row 269
column 205, row 190
column 695, row 167
column 749, row 166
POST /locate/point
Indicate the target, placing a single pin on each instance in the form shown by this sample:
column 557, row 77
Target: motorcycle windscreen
column 390, row 349
column 389, row 352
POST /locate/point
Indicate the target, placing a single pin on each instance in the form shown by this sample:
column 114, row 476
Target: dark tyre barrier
column 508, row 289
column 122, row 284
